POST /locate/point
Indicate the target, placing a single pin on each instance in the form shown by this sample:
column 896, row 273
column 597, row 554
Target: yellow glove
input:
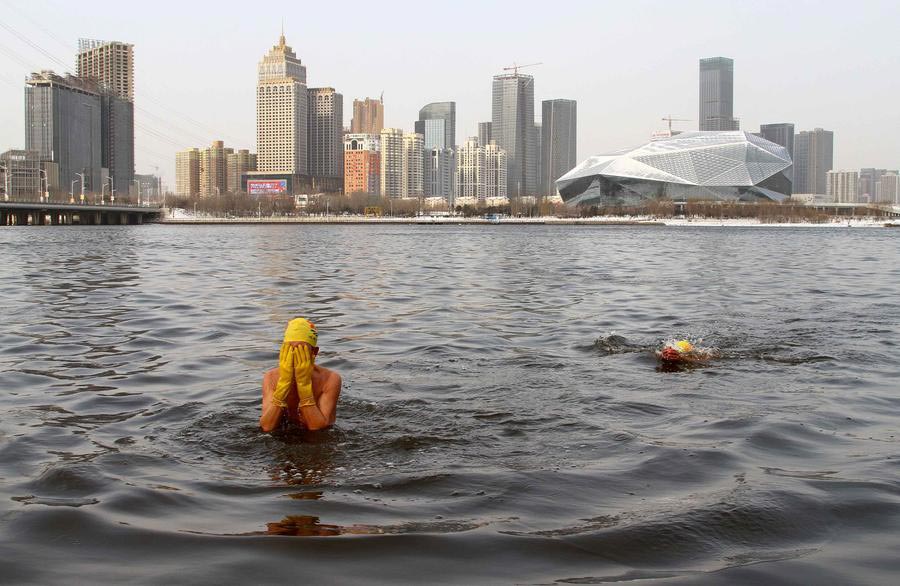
column 303, row 368
column 285, row 376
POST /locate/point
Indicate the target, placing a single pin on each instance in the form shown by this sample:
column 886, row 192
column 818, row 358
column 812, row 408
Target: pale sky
column 628, row 63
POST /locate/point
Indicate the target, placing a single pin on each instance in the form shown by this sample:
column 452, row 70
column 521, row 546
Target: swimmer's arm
column 271, row 413
column 322, row 414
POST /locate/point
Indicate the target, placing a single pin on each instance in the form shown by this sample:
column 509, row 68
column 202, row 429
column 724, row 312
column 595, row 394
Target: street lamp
column 5, row 181
column 82, row 187
column 112, row 189
column 72, row 190
column 139, row 190
column 45, row 192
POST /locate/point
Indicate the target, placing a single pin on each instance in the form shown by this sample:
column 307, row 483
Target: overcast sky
column 628, row 63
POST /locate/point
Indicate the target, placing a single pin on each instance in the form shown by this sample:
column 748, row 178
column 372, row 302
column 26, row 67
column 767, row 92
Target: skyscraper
column 494, row 171
column 439, row 173
column 512, row 128
column 214, row 169
column 368, row 116
column 841, row 186
column 437, row 123
column 362, row 164
column 481, row 170
column 717, row 94
column 326, row 129
column 813, row 158
column 887, row 189
column 484, row 133
column 559, row 120
column 187, row 173
column 281, row 112
column 110, row 64
column 868, row 180
column 63, row 124
column 781, row 133
column 413, row 163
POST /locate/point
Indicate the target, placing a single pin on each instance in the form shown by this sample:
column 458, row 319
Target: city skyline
column 173, row 110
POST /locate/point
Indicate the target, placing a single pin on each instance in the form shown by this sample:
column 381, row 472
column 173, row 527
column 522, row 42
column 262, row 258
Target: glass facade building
column 693, row 165
column 558, row 119
column 813, row 159
column 512, row 128
column 717, row 94
column 437, row 123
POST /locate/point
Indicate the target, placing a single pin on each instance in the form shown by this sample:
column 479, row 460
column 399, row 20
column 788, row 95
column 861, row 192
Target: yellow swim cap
column 684, row 346
column 301, row 330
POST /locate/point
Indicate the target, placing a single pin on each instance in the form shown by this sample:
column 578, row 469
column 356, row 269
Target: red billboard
column 266, row 186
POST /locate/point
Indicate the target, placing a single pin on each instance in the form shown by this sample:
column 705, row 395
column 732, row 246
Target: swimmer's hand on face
column 285, row 376
column 303, row 361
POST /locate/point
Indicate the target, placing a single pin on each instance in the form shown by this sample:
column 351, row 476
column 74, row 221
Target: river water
column 503, row 419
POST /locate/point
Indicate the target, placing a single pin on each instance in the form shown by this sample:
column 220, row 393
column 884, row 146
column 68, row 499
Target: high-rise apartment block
column 110, row 64
column 392, row 171
column 237, row 164
column 281, row 112
column 63, row 124
column 868, row 181
column 781, row 133
column 841, row 186
column 368, row 116
column 558, row 156
column 214, row 169
column 512, row 128
column 413, row 165
column 887, row 190
column 187, row 173
column 362, row 164
column 325, row 132
column 481, row 171
column 813, row 158
column 717, row 94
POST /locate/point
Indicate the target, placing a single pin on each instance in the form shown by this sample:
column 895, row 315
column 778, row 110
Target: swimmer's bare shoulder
column 326, row 385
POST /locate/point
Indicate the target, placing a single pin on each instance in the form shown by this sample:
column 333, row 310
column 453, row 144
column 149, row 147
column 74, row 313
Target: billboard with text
column 266, row 186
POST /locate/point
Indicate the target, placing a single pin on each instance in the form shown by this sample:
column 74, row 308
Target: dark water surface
column 502, row 421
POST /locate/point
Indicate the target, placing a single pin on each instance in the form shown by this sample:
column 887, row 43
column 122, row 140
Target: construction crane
column 515, row 67
column 670, row 120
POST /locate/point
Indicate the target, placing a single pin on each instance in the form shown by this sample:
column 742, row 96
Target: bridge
column 42, row 213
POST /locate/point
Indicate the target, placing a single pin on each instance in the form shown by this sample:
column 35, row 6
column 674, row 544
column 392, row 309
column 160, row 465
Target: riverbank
column 546, row 220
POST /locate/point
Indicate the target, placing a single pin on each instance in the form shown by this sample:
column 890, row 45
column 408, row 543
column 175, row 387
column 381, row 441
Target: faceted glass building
column 693, row 165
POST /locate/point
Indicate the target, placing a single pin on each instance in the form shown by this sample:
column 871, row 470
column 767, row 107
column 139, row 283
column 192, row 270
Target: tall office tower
column 813, row 158
column 368, row 116
column 437, row 123
column 469, row 169
column 111, row 65
column 840, row 186
column 362, row 164
column 281, row 112
column 512, row 122
column 558, row 157
column 887, row 190
column 534, row 149
column 236, row 165
column 494, row 171
column 868, row 179
column 214, row 169
column 187, row 172
column 717, row 94
column 392, row 170
column 781, row 133
column 63, row 124
column 484, row 133
column 326, row 130
column 413, row 172
column 439, row 173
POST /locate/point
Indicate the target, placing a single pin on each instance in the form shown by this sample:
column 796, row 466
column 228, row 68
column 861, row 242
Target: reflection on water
column 503, row 405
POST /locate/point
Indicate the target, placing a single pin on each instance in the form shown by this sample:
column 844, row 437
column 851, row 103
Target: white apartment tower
column 841, row 186
column 281, row 112
column 392, row 175
column 413, row 173
column 481, row 170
